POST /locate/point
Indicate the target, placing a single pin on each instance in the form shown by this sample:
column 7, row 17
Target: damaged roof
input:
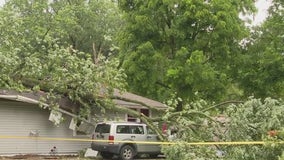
column 125, row 99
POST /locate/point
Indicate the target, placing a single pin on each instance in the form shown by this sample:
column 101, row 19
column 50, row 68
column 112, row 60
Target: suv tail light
column 110, row 139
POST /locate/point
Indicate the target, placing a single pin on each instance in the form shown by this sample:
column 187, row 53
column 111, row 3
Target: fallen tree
column 62, row 73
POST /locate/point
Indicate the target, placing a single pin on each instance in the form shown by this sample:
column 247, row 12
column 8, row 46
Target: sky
column 262, row 6
column 2, row 2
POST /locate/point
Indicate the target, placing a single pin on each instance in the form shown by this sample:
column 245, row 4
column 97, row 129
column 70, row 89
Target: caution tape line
column 141, row 142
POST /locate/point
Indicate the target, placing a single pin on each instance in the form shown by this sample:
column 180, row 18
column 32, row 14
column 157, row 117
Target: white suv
column 109, row 140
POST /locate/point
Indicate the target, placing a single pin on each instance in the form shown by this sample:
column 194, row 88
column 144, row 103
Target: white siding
column 19, row 119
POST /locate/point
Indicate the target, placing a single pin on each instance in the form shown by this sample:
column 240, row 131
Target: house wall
column 23, row 119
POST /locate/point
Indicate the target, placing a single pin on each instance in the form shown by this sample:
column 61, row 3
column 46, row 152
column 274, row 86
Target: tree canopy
column 183, row 47
column 261, row 63
column 44, row 48
column 195, row 55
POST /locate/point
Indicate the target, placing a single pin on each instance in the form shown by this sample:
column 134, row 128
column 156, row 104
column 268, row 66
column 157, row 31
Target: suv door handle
column 149, row 137
column 133, row 137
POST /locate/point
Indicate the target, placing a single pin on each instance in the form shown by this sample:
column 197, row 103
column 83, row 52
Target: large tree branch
column 136, row 114
column 137, row 102
column 163, row 85
column 220, row 104
column 174, row 115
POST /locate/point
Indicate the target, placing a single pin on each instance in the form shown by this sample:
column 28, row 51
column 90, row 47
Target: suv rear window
column 102, row 128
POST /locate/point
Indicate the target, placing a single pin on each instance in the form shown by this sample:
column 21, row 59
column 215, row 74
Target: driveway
column 36, row 157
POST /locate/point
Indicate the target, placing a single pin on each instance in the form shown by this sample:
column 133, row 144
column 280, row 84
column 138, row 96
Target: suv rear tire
column 127, row 153
column 106, row 155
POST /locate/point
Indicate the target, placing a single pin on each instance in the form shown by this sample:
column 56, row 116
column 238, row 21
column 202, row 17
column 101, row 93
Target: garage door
column 23, row 119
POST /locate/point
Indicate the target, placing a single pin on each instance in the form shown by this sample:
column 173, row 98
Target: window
column 137, row 129
column 146, row 112
column 103, row 128
column 124, row 129
column 150, row 131
column 131, row 119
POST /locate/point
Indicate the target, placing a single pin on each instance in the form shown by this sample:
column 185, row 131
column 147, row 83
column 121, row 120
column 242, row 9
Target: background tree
column 188, row 49
column 88, row 26
column 184, row 47
column 258, row 71
column 35, row 56
column 38, row 52
column 261, row 66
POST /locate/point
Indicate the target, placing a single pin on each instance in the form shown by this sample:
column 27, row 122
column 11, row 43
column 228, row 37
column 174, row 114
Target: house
column 24, row 125
column 137, row 103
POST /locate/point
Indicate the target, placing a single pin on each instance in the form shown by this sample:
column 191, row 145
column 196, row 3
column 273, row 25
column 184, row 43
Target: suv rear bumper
column 111, row 148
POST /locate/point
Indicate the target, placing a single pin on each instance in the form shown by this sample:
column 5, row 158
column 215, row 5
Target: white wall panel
column 19, row 119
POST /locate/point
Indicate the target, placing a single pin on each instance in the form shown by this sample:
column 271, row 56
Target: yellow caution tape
column 139, row 142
